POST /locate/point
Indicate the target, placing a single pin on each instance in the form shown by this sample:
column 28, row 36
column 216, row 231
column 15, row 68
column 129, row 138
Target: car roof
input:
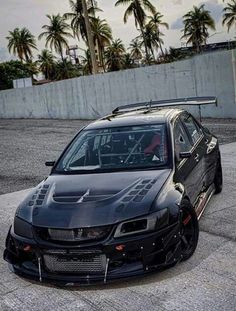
column 136, row 117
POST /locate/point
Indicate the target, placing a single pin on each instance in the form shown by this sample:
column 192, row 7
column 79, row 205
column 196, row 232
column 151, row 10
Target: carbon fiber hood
column 75, row 201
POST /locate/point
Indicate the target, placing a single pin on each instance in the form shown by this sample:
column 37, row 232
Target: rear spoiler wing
column 189, row 101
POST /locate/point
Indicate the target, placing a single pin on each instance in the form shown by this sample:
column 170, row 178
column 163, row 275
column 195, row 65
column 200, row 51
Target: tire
column 218, row 180
column 189, row 231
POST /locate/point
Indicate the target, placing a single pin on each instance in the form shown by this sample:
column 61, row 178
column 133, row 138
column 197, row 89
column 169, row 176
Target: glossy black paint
column 111, row 199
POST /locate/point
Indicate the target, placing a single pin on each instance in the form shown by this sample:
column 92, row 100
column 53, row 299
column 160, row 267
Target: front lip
column 154, row 251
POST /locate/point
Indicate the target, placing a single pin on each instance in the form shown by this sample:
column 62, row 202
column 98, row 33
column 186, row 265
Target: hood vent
column 82, row 197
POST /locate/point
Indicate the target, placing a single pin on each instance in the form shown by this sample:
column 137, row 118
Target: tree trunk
column 61, row 52
column 102, row 57
column 26, row 58
column 63, row 60
column 162, row 52
column 145, row 44
column 90, row 39
column 46, row 74
column 153, row 55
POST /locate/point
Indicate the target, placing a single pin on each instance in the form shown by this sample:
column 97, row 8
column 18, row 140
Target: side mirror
column 50, row 163
column 185, row 155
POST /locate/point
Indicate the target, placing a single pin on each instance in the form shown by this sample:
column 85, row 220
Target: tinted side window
column 182, row 143
column 192, row 128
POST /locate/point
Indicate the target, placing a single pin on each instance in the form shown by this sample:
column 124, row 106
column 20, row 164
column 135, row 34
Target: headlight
column 143, row 224
column 22, row 228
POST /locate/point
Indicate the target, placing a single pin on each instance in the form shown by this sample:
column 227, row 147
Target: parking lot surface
column 207, row 281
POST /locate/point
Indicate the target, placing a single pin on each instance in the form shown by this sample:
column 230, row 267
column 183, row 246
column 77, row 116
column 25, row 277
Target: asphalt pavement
column 206, row 282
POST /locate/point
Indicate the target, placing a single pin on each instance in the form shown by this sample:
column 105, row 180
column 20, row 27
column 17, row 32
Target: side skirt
column 203, row 200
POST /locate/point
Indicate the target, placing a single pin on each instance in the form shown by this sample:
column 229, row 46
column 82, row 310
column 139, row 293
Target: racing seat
column 153, row 147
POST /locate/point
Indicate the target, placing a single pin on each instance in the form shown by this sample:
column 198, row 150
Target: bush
column 12, row 70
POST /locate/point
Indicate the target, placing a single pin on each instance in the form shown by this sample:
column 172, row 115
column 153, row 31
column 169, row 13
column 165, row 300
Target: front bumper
column 124, row 258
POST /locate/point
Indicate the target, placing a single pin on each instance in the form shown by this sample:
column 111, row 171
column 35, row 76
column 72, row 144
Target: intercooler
column 75, row 261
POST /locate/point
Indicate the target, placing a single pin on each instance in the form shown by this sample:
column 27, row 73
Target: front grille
column 61, row 235
column 81, row 262
column 73, row 235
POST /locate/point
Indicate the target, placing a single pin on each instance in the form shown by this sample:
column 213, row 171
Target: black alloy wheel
column 189, row 231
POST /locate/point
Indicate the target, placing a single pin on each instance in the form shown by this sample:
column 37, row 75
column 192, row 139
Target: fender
column 171, row 196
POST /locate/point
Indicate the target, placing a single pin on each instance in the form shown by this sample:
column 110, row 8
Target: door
column 189, row 171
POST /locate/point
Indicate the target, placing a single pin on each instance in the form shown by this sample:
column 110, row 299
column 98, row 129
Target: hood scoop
column 80, row 197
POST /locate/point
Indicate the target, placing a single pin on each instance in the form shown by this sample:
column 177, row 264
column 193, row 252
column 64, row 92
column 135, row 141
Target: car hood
column 75, row 201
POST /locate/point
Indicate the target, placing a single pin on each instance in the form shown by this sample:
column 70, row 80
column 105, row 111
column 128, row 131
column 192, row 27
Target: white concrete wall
column 212, row 74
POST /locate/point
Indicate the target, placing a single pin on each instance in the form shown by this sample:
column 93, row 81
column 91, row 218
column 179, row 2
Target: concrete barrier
column 90, row 97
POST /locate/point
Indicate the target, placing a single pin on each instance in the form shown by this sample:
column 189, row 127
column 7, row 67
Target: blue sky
column 31, row 14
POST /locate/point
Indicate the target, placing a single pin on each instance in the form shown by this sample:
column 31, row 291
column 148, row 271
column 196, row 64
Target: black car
column 123, row 199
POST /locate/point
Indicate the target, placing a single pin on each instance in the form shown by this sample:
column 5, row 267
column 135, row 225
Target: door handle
column 196, row 158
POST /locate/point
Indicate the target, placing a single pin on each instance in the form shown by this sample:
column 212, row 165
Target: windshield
column 116, row 149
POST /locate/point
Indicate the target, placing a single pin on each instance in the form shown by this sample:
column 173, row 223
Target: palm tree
column 196, row 25
column 56, row 33
column 149, row 60
column 46, row 61
column 32, row 67
column 135, row 49
column 102, row 36
column 229, row 17
column 137, row 8
column 89, row 37
column 152, row 39
column 114, row 55
column 156, row 22
column 86, row 62
column 128, row 61
column 76, row 16
column 21, row 42
column 66, row 70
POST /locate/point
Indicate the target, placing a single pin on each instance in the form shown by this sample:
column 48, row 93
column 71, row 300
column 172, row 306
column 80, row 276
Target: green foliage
column 76, row 18
column 229, row 17
column 12, row 70
column 135, row 48
column 138, row 9
column 152, row 38
column 66, row 70
column 86, row 63
column 102, row 36
column 128, row 61
column 114, row 55
column 196, row 25
column 156, row 23
column 21, row 43
column 145, row 49
column 56, row 33
column 47, row 64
